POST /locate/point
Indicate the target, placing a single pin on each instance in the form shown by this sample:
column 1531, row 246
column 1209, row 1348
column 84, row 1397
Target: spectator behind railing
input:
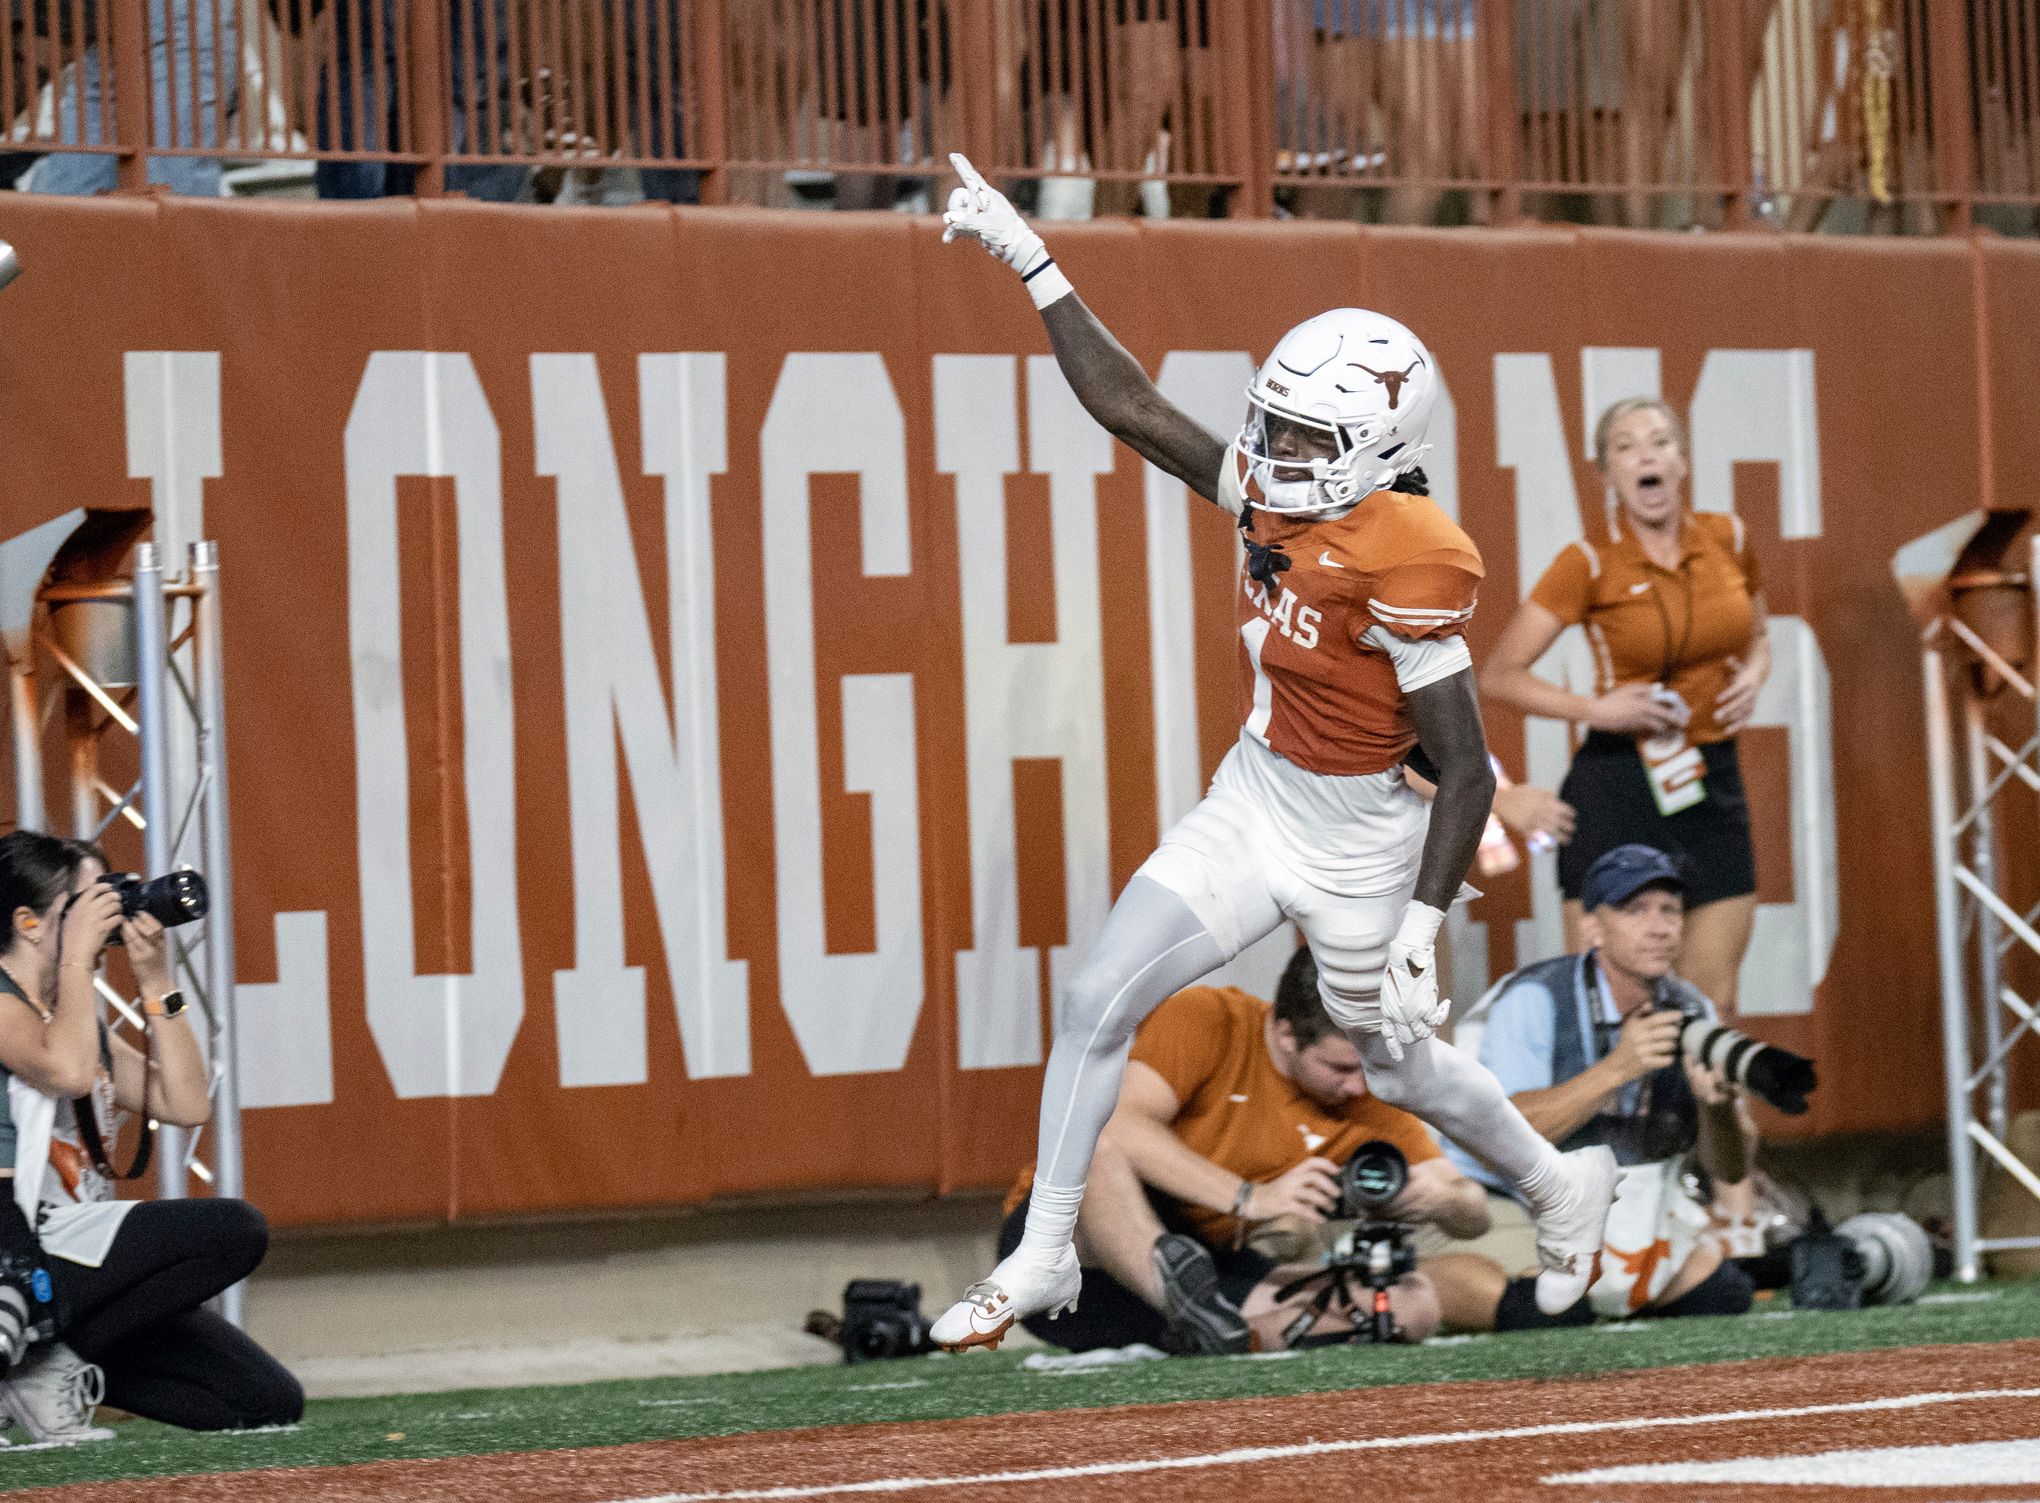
column 652, row 32
column 368, row 51
column 196, row 43
column 1655, row 44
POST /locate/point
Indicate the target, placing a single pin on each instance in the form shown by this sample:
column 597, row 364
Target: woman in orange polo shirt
column 1673, row 606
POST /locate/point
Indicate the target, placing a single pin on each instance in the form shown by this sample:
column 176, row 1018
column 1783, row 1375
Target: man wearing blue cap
column 1587, row 1046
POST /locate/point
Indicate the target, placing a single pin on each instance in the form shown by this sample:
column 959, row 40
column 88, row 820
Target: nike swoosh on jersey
column 1328, row 561
column 1639, row 587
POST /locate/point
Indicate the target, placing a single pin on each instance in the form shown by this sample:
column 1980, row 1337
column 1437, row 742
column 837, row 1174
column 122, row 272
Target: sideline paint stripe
column 1247, row 1456
column 1985, row 1463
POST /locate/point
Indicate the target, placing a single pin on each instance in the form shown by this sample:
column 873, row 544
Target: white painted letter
column 426, row 414
column 1759, row 405
column 1530, row 439
column 852, row 1014
column 1032, row 699
column 613, row 688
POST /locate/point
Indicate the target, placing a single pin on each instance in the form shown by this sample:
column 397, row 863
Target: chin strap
column 1265, row 561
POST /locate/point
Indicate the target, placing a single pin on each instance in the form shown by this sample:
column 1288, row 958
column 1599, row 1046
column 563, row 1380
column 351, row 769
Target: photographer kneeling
column 1233, row 1121
column 131, row 1277
column 1610, row 1047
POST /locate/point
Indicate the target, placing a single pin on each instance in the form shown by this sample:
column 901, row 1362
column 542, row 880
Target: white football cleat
column 1019, row 1287
column 1570, row 1232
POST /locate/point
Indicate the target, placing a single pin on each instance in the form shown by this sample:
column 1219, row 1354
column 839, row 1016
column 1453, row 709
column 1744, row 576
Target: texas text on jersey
column 1317, row 677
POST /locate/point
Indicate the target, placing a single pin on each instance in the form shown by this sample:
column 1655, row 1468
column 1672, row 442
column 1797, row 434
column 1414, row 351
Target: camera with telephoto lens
column 1876, row 1258
column 28, row 1297
column 178, row 897
column 1375, row 1254
column 1775, row 1076
column 881, row 1319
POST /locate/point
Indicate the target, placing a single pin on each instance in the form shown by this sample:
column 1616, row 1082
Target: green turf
column 455, row 1424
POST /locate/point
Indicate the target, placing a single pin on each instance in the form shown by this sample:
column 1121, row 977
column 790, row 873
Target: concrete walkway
column 719, row 1290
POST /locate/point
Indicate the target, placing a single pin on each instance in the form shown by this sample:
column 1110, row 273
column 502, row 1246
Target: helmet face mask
column 1296, row 483
column 1361, row 387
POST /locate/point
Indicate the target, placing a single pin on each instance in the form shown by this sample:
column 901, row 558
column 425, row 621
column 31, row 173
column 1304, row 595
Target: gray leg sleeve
column 1460, row 1096
column 1152, row 947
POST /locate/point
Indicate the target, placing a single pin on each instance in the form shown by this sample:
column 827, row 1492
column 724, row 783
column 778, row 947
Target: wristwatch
column 168, row 1005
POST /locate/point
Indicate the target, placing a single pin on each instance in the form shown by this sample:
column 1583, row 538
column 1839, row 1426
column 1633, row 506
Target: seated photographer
column 1590, row 1048
column 131, row 1277
column 1233, row 1120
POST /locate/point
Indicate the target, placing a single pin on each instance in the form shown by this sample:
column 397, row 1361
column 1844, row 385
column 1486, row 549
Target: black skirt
column 1610, row 792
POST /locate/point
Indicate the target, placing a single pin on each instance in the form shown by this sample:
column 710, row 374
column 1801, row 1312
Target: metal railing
column 1645, row 112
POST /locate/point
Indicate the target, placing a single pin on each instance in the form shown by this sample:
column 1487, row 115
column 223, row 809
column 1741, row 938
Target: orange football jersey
column 1312, row 688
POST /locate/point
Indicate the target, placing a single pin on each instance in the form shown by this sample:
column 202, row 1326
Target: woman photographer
column 131, row 1277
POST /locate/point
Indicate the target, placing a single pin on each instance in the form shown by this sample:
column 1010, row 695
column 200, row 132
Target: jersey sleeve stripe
column 1412, row 615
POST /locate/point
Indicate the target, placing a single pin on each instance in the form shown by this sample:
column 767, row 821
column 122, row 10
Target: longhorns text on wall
column 696, row 680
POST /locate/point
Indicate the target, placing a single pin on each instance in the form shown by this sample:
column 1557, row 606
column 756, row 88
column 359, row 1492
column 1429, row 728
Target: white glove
column 980, row 212
column 1411, row 1009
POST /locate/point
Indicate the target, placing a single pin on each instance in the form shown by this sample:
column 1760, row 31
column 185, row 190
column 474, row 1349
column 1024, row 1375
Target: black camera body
column 1828, row 1269
column 882, row 1318
column 1376, row 1254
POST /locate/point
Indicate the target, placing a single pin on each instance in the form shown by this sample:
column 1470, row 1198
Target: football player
column 1353, row 601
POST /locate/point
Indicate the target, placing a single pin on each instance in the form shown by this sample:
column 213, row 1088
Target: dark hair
column 1412, row 482
column 88, row 850
column 1297, row 1002
column 35, row 870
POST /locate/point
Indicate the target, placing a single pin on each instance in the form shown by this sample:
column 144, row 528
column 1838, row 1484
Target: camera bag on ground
column 882, row 1318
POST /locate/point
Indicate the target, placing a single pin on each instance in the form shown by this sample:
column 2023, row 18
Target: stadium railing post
column 1953, row 99
column 976, row 89
column 133, row 112
column 711, row 139
column 1503, row 169
column 1730, row 93
column 428, row 69
column 1254, row 123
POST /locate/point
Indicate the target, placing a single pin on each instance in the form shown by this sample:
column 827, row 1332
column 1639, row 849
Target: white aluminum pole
column 219, row 876
column 1954, row 998
column 151, row 667
column 1983, row 862
column 29, row 810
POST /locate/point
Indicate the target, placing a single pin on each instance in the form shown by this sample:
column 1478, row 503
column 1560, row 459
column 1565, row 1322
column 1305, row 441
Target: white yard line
column 1250, row 1455
column 1986, row 1463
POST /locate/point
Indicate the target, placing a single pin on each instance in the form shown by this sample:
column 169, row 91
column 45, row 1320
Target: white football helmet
column 1360, row 376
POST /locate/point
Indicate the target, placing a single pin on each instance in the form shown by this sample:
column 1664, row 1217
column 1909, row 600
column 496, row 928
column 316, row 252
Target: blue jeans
column 494, row 182
column 180, row 37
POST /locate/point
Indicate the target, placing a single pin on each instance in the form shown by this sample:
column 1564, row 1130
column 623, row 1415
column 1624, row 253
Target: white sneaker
column 1571, row 1229
column 1019, row 1287
column 51, row 1394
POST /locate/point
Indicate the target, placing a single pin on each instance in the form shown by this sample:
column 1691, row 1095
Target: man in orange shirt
column 1233, row 1120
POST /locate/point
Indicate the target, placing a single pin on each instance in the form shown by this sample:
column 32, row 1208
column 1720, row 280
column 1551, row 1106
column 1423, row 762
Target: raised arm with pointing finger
column 1107, row 380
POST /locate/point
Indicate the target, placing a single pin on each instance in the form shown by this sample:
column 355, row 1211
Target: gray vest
column 1649, row 1120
